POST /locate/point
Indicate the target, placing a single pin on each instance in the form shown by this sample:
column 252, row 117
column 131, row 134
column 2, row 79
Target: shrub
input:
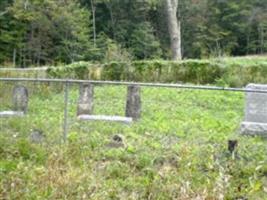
column 236, row 72
column 191, row 71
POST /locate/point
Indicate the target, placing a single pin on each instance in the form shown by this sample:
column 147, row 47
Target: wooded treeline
column 50, row 32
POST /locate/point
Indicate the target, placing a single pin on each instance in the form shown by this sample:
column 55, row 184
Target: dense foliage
column 223, row 72
column 234, row 72
column 39, row 32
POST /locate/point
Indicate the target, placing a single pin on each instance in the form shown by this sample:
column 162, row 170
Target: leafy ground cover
column 178, row 150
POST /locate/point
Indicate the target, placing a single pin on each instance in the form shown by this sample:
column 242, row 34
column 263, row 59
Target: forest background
column 56, row 32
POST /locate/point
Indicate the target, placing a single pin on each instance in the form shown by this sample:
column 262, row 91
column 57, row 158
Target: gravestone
column 85, row 104
column 133, row 104
column 20, row 99
column 255, row 122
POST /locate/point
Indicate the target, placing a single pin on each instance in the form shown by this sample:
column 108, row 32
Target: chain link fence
column 174, row 110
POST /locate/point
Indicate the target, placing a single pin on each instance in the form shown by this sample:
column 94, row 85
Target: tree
column 93, row 9
column 174, row 26
column 143, row 43
column 55, row 31
column 40, row 32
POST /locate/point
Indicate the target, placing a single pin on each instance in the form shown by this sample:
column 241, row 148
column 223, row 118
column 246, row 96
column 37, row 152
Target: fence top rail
column 163, row 85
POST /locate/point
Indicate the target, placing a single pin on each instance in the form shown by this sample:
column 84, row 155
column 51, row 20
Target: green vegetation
column 51, row 32
column 178, row 150
column 22, row 73
column 234, row 72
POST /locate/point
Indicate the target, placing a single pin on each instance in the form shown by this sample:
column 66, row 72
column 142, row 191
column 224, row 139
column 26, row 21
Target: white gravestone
column 20, row 103
column 255, row 122
column 85, row 104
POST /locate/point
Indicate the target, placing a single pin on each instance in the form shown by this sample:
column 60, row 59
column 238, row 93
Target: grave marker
column 20, row 99
column 255, row 122
column 133, row 104
column 85, row 104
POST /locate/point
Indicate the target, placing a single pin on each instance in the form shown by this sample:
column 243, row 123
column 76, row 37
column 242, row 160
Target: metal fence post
column 66, row 100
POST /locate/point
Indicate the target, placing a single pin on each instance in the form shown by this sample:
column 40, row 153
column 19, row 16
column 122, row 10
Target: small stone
column 37, row 136
column 173, row 160
column 232, row 144
column 169, row 141
column 160, row 161
column 118, row 138
column 170, row 160
column 117, row 141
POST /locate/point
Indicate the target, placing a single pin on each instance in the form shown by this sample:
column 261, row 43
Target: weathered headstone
column 20, row 99
column 133, row 104
column 85, row 104
column 255, row 122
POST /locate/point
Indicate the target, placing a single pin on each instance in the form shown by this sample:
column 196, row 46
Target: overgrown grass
column 178, row 150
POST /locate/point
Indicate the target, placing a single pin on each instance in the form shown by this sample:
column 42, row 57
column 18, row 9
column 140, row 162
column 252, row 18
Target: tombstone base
column 254, row 129
column 11, row 114
column 126, row 120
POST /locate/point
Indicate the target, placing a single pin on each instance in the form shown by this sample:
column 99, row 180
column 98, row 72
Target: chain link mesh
column 182, row 112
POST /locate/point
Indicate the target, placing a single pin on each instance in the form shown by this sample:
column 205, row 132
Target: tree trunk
column 14, row 57
column 94, row 25
column 20, row 58
column 174, row 27
column 109, row 6
column 26, row 4
column 38, row 58
column 248, row 42
column 261, row 39
column 24, row 60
